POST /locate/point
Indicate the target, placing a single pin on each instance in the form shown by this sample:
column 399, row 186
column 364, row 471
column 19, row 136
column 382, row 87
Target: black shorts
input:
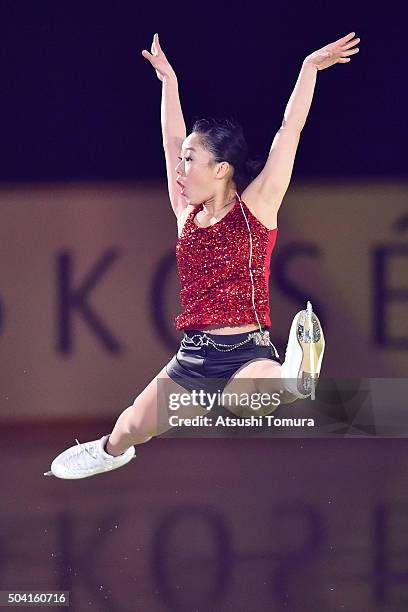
column 199, row 365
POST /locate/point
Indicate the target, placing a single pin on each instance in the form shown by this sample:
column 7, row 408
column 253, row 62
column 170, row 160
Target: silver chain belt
column 259, row 338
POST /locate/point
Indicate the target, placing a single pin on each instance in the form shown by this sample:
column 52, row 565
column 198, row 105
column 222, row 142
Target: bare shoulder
column 182, row 218
column 265, row 210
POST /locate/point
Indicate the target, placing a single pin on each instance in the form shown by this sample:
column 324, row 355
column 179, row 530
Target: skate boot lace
column 72, row 462
column 83, row 449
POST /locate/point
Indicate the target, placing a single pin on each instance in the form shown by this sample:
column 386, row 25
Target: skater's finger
column 157, row 42
column 147, row 55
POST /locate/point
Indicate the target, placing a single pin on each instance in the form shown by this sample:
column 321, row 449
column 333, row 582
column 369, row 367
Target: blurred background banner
column 89, row 288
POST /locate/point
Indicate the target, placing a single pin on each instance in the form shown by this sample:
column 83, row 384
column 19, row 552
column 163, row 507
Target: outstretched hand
column 333, row 53
column 158, row 59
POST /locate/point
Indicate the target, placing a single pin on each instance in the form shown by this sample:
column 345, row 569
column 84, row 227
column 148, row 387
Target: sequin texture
column 213, row 267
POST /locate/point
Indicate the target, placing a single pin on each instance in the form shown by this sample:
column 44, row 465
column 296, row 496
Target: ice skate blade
column 304, row 353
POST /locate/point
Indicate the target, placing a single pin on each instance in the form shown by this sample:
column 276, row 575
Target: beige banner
column 89, row 288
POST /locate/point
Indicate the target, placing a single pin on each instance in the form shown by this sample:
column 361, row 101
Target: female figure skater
column 227, row 227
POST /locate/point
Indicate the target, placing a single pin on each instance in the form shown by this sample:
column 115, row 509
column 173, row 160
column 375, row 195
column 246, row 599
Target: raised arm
column 172, row 121
column 270, row 186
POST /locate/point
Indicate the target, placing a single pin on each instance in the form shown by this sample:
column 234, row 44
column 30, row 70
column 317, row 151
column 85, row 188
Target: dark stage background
column 80, row 102
column 240, row 525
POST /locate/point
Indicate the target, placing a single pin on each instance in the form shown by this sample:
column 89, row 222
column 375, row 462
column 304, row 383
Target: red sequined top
column 213, row 266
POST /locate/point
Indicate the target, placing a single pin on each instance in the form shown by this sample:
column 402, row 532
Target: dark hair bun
column 253, row 167
column 225, row 139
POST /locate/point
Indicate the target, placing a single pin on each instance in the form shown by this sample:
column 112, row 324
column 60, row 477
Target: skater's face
column 198, row 174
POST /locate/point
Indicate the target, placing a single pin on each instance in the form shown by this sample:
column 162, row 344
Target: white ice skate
column 304, row 354
column 87, row 459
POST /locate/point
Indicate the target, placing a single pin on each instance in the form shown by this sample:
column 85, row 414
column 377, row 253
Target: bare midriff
column 240, row 329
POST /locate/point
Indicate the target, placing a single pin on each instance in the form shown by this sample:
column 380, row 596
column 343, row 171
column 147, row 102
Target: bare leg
column 267, row 376
column 257, row 376
column 140, row 422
